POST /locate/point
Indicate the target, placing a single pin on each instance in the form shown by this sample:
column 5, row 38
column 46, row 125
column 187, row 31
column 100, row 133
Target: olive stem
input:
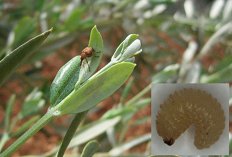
column 30, row 132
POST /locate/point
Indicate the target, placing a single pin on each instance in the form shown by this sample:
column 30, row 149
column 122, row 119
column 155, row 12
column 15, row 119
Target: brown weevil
column 86, row 52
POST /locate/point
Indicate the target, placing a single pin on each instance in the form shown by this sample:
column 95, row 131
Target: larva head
column 169, row 141
column 165, row 130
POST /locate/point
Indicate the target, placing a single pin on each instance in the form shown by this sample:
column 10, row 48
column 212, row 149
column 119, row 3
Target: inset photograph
column 190, row 119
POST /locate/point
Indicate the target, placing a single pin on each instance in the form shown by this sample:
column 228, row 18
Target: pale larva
column 188, row 107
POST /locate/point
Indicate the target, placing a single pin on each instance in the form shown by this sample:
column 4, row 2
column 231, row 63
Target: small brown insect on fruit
column 86, row 52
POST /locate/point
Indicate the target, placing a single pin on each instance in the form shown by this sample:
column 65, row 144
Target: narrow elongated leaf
column 58, row 41
column 95, row 40
column 76, row 22
column 115, row 112
column 126, row 146
column 167, row 74
column 227, row 10
column 89, row 149
column 89, row 132
column 20, row 54
column 32, row 104
column 95, row 90
column 9, row 107
column 226, row 61
column 156, row 2
column 65, row 80
column 138, row 96
column 92, row 131
column 4, row 139
column 126, row 112
column 219, row 35
column 90, row 64
column 142, row 103
column 25, row 27
column 126, row 90
column 73, row 21
column 223, row 75
column 221, row 72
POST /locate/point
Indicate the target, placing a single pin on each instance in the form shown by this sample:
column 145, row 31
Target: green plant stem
column 25, row 126
column 123, row 133
column 13, row 122
column 139, row 95
column 70, row 132
column 34, row 129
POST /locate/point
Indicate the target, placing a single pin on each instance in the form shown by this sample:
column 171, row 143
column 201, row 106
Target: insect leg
column 97, row 53
column 87, row 63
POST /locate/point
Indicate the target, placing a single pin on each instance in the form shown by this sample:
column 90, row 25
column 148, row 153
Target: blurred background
column 183, row 41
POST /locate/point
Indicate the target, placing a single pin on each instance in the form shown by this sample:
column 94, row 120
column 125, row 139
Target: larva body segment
column 188, row 107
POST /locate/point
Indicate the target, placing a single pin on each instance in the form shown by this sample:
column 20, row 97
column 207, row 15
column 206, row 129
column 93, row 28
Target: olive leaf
column 95, row 90
column 223, row 75
column 9, row 64
column 167, row 74
column 90, row 64
column 126, row 90
column 32, row 104
column 25, row 27
column 65, row 80
column 125, row 112
column 9, row 107
column 89, row 149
